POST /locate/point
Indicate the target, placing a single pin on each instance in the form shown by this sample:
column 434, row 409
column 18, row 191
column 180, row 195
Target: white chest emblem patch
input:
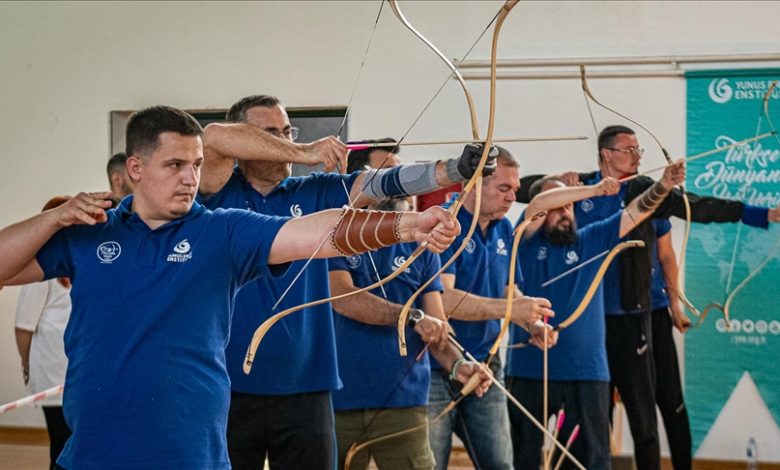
column 572, row 258
column 181, row 252
column 354, row 261
column 586, row 205
column 471, row 246
column 398, row 261
column 107, row 252
column 295, row 210
column 542, row 253
column 501, row 247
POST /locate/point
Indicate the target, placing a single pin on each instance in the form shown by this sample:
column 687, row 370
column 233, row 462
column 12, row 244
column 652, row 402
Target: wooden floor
column 36, row 457
column 23, row 455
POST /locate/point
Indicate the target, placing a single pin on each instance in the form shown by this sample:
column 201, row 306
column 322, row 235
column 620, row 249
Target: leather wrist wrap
column 358, row 230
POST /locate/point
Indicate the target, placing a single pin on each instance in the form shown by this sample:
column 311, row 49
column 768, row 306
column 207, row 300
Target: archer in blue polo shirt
column 384, row 392
column 404, row 380
column 578, row 371
column 153, row 288
column 282, row 409
column 170, row 352
column 475, row 286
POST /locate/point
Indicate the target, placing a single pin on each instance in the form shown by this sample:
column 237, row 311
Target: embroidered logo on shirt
column 542, row 253
column 181, row 252
column 295, row 210
column 471, row 246
column 398, row 261
column 354, row 261
column 586, row 205
column 501, row 249
column 107, row 252
column 571, row 257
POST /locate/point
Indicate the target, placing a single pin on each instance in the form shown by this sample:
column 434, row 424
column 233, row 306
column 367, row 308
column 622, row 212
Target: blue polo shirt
column 481, row 269
column 581, row 350
column 596, row 209
column 146, row 379
column 374, row 374
column 298, row 354
column 658, row 295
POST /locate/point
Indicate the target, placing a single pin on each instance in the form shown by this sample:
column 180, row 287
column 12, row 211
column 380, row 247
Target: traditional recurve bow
column 594, row 285
column 725, row 308
column 589, row 96
column 476, row 180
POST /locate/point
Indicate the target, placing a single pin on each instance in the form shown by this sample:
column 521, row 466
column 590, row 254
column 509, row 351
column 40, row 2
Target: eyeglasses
column 290, row 133
column 638, row 151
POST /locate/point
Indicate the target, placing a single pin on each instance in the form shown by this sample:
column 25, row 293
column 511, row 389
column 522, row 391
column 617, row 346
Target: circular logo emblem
column 295, row 210
column 586, row 205
column 471, row 246
column 720, row 90
column 353, row 261
column 107, row 252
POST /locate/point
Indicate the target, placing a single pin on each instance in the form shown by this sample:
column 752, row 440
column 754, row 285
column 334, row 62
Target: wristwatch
column 415, row 316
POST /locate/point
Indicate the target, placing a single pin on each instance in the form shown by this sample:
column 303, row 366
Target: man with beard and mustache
column 627, row 283
column 578, row 373
column 375, row 404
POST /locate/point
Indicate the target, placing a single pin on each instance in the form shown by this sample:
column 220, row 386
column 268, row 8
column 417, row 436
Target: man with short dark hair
column 146, row 380
column 118, row 181
column 374, row 155
column 247, row 166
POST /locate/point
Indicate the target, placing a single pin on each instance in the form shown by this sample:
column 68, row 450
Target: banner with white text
column 732, row 262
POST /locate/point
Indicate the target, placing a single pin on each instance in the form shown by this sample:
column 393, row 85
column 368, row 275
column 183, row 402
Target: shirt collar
column 125, row 211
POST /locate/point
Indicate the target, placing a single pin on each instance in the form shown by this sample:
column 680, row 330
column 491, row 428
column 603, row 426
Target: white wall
column 65, row 66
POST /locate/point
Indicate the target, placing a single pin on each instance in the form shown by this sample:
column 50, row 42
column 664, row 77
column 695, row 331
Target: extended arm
column 643, row 206
column 374, row 310
column 462, row 305
column 225, row 143
column 419, row 178
column 301, row 236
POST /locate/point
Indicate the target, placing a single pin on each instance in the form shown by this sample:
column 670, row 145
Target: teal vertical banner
column 725, row 107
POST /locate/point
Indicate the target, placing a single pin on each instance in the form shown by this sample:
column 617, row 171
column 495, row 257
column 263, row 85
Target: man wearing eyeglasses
column 283, row 408
column 627, row 282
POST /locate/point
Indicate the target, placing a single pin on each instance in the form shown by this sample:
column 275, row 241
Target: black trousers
column 59, row 432
column 632, row 368
column 295, row 431
column 668, row 390
column 585, row 402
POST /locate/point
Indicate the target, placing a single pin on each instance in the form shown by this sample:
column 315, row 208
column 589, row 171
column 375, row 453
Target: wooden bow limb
column 455, row 72
column 356, row 145
column 773, row 252
column 667, row 157
column 477, row 178
column 726, row 307
column 510, row 289
column 261, row 331
column 469, row 387
column 517, row 403
column 594, row 285
column 706, row 310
